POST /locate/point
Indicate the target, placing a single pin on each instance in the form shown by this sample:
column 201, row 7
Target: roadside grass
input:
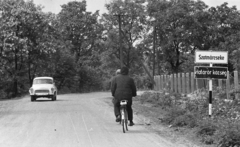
column 191, row 112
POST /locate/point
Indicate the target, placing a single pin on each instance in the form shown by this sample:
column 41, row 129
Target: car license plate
column 41, row 93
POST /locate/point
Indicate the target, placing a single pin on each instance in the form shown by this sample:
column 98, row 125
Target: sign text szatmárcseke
column 211, row 57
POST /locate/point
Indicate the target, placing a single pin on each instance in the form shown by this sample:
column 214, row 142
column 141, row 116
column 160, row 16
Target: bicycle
column 124, row 115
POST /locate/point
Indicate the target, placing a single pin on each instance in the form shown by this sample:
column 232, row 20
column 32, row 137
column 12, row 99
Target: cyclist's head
column 124, row 71
column 118, row 72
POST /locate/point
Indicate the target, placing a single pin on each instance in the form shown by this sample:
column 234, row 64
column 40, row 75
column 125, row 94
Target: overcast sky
column 93, row 5
column 54, row 5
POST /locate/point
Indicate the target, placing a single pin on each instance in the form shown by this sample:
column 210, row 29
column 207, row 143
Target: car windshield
column 43, row 81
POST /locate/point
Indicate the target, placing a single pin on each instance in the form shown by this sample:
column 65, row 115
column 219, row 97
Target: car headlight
column 52, row 90
column 31, row 90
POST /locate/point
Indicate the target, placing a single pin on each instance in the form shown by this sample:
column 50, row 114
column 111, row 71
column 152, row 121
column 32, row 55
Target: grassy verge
column 191, row 114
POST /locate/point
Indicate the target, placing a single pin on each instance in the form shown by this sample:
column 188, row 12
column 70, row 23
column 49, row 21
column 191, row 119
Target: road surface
column 74, row 120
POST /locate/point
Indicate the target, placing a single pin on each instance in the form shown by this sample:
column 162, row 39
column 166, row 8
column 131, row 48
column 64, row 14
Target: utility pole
column 120, row 40
column 154, row 49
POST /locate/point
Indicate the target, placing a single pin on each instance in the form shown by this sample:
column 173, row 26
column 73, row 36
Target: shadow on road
column 48, row 100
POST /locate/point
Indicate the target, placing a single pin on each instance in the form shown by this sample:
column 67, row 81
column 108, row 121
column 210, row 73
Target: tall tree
column 132, row 16
column 225, row 31
column 133, row 22
column 82, row 31
column 174, row 20
column 79, row 27
column 24, row 35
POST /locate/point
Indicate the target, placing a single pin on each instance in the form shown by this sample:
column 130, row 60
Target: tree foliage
column 81, row 49
column 131, row 15
column 81, row 30
column 24, row 36
column 187, row 25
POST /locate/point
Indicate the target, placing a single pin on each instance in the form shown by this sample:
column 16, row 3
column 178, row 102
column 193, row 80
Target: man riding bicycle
column 123, row 88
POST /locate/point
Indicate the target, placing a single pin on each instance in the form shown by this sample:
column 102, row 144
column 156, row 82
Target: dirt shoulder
column 150, row 116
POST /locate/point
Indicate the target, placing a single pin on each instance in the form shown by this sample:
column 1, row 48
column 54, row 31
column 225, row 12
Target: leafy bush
column 6, row 85
column 172, row 114
column 187, row 119
column 106, row 84
column 197, row 105
column 227, row 109
column 164, row 100
column 229, row 133
column 206, row 127
column 146, row 96
column 206, row 130
column 142, row 82
column 222, row 130
column 150, row 97
column 3, row 94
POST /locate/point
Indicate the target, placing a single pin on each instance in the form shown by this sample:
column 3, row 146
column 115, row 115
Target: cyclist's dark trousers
column 129, row 109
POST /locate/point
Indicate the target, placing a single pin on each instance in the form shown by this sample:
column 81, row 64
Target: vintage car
column 43, row 87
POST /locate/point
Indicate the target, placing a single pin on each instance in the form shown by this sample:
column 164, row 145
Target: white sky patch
column 94, row 5
column 214, row 3
column 54, row 6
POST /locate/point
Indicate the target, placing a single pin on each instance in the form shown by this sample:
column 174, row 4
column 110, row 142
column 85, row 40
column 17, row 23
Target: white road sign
column 211, row 57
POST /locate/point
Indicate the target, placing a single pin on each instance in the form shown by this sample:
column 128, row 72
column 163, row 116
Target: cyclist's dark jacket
column 123, row 87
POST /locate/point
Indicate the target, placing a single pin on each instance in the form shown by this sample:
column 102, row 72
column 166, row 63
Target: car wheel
column 55, row 97
column 33, row 98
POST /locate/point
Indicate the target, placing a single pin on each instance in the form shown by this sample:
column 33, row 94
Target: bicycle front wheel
column 126, row 120
column 123, row 119
column 123, row 125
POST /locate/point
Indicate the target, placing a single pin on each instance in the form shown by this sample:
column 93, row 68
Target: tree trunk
column 15, row 87
column 15, row 82
column 29, row 74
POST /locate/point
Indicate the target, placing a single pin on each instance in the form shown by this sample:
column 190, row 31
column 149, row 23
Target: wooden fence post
column 192, row 82
column 236, row 84
column 161, row 79
column 159, row 82
column 156, row 83
column 196, row 84
column 165, row 82
column 168, row 81
column 183, row 83
column 175, row 83
column 179, row 83
column 220, row 83
column 188, row 83
column 158, row 78
column 228, row 85
column 172, row 83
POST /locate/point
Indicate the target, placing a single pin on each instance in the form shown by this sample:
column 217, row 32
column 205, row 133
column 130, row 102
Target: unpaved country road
column 74, row 120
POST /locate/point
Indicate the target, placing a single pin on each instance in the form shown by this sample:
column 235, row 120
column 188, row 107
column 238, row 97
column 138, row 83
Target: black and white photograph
column 119, row 73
